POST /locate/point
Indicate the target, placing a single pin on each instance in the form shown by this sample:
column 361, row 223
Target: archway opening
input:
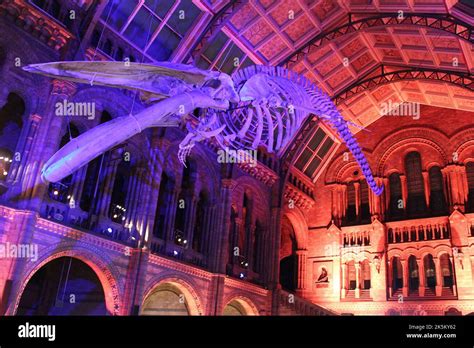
column 430, row 271
column 234, row 308
column 397, row 274
column 238, row 307
column 63, row 286
column 413, row 274
column 166, row 299
column 288, row 258
column 446, row 271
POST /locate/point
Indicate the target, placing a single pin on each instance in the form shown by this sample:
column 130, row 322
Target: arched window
column 416, row 205
column 288, row 258
column 117, row 209
column 413, row 275
column 397, row 275
column 437, row 199
column 166, row 189
column 351, row 204
column 470, row 185
column 446, row 271
column 430, row 271
column 396, row 199
column 199, row 222
column 91, row 184
column 184, row 202
column 365, row 275
column 351, row 274
column 246, row 231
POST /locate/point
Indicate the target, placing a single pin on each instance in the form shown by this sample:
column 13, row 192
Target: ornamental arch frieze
column 95, row 258
column 463, row 146
column 432, row 145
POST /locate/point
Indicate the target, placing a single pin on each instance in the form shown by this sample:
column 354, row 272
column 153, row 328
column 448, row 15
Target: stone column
column 110, row 172
column 357, row 198
column 301, row 255
column 453, row 275
column 403, row 182
column 426, row 185
column 220, row 235
column 405, row 277
column 209, row 211
column 170, row 217
column 78, row 185
column 421, row 277
column 190, row 219
column 357, row 272
column 375, row 202
column 344, row 280
column 390, row 279
column 45, row 144
column 18, row 169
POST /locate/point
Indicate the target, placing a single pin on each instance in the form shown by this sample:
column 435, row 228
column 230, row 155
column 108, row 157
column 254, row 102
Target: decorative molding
column 301, row 199
column 260, row 172
column 32, row 20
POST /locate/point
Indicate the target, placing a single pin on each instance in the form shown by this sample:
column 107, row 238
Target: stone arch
column 243, row 302
column 407, row 139
column 300, row 226
column 463, row 145
column 187, row 288
column 442, row 249
column 339, row 170
column 207, row 173
column 246, row 184
column 101, row 267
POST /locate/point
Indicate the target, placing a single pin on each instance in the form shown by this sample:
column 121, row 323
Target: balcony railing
column 75, row 217
column 183, row 253
column 291, row 304
column 418, row 230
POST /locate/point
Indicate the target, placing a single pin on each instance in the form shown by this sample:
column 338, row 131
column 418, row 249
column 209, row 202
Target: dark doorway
column 64, row 286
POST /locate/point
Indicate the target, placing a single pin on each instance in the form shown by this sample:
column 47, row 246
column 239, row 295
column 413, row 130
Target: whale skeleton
column 257, row 106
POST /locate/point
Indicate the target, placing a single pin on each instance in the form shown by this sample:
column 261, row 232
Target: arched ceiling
column 275, row 31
